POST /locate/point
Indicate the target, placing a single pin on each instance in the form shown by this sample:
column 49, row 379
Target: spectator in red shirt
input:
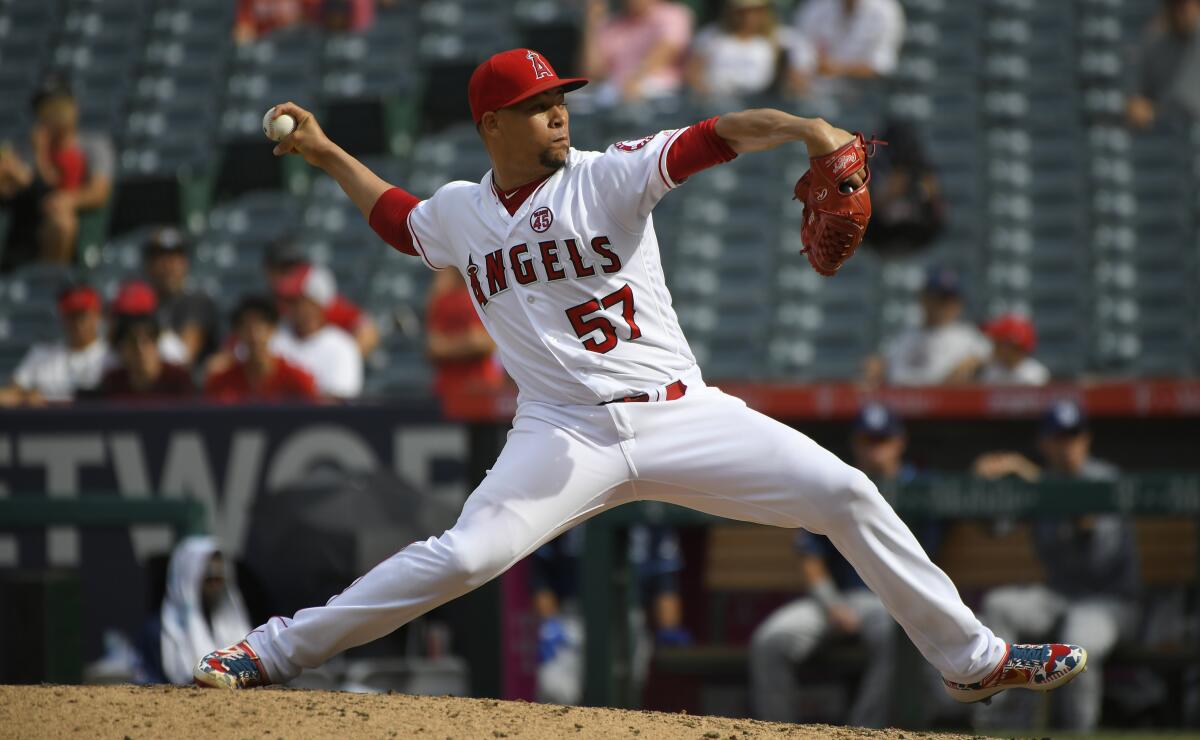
column 142, row 374
column 455, row 340
column 257, row 18
column 47, row 182
column 257, row 373
column 284, row 256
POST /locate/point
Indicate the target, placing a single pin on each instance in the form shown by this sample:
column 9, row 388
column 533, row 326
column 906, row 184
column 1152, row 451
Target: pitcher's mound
column 143, row 712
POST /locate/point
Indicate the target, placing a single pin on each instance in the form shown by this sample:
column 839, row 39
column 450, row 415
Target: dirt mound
column 142, row 712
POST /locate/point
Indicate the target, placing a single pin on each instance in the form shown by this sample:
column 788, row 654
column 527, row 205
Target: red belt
column 674, row 391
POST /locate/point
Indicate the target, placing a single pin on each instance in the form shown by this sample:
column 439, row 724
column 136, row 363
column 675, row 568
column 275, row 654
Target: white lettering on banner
column 414, row 450
column 133, row 481
column 241, row 477
column 327, row 443
column 8, row 542
column 187, row 473
column 61, row 455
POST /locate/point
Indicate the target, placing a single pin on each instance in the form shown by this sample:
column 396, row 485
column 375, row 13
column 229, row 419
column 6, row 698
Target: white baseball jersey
column 572, row 290
column 571, row 286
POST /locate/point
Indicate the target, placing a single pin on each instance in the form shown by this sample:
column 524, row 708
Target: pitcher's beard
column 552, row 160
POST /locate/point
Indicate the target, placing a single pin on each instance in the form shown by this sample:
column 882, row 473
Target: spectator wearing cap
column 839, row 40
column 259, row 374
column 285, row 255
column 1012, row 363
column 136, row 299
column 837, row 601
column 142, row 374
column 309, row 340
column 639, row 53
column 1091, row 566
column 60, row 172
column 945, row 349
column 739, row 55
column 188, row 313
column 1162, row 80
column 56, row 371
column 458, row 345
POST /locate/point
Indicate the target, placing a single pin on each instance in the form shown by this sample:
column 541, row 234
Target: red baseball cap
column 77, row 299
column 511, row 76
column 313, row 282
column 1012, row 328
column 135, row 298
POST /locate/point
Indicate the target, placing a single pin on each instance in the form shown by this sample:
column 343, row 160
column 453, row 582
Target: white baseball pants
column 707, row 451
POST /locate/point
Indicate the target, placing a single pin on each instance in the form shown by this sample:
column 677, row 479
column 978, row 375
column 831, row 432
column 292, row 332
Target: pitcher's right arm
column 384, row 205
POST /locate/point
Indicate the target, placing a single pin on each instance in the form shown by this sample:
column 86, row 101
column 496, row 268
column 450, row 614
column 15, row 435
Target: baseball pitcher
column 558, row 248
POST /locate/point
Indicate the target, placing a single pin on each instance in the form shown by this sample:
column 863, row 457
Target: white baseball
column 277, row 128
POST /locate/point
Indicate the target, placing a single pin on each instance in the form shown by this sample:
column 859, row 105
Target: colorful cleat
column 1037, row 667
column 235, row 667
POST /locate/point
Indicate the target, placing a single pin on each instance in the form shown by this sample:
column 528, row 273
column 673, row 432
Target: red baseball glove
column 835, row 212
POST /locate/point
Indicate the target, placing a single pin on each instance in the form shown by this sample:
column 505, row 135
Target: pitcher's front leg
column 547, row 479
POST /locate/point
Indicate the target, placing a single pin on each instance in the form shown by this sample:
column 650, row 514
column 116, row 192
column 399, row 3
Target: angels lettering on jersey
column 559, row 260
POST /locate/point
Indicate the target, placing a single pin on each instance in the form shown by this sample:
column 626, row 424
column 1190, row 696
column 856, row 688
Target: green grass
column 1103, row 735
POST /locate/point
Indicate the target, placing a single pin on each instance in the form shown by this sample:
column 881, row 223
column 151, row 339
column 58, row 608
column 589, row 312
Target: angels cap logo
column 541, row 219
column 540, row 68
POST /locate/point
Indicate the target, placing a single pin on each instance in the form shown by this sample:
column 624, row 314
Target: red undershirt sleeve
column 696, row 149
column 389, row 219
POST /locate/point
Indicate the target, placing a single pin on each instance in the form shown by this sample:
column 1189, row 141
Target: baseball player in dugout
column 558, row 248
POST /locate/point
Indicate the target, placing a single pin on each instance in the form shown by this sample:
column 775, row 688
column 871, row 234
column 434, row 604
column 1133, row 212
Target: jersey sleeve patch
column 632, row 145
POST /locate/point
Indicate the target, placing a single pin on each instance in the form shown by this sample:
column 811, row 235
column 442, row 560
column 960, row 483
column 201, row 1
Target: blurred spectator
column 142, row 374
column 654, row 553
column 943, row 350
column 285, row 255
column 62, row 171
column 1167, row 66
column 639, row 53
column 258, row 373
column 308, row 340
column 837, row 602
column 136, row 299
column 257, row 18
column 189, row 313
column 845, row 39
column 55, row 371
column 908, row 211
column 1013, row 339
column 457, row 344
column 201, row 611
column 1091, row 564
column 740, row 54
column 345, row 15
